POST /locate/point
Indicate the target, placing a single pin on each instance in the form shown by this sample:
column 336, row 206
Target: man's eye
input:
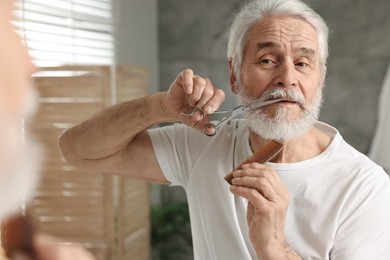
column 301, row 64
column 265, row 61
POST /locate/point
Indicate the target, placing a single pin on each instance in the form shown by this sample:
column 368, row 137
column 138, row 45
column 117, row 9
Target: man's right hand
column 190, row 91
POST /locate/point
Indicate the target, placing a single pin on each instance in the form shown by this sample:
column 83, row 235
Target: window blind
column 66, row 32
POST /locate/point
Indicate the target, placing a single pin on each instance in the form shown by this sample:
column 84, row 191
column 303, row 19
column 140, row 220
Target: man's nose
column 286, row 75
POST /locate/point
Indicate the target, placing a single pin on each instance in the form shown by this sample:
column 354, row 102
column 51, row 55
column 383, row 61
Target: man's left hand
column 268, row 201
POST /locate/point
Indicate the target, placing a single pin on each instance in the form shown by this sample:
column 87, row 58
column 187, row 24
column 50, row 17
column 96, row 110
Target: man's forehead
column 273, row 32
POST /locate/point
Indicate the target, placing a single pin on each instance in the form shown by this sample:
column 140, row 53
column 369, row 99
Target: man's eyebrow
column 307, row 51
column 265, row 45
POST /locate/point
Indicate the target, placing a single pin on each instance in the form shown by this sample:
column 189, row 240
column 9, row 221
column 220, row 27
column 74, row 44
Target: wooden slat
column 70, row 113
column 78, row 88
column 132, row 82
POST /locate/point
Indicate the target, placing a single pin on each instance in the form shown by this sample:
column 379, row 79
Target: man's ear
column 233, row 78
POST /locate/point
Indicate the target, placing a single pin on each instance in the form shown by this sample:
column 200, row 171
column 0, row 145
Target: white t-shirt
column 339, row 200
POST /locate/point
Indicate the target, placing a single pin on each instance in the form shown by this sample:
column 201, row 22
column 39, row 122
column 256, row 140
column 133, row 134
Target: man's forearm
column 283, row 253
column 111, row 130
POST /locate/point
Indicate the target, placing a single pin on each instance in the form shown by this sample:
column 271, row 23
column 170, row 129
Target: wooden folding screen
column 107, row 214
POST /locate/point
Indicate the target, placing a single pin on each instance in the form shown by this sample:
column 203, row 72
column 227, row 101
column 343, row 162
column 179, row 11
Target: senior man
column 318, row 198
column 19, row 154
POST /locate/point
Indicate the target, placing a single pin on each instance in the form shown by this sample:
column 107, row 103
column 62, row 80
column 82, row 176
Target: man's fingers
column 200, row 92
column 252, row 195
column 261, row 171
column 215, row 101
column 205, row 96
column 186, row 80
column 261, row 185
column 197, row 98
column 199, row 87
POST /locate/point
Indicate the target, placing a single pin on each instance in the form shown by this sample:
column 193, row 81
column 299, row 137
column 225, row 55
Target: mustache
column 287, row 94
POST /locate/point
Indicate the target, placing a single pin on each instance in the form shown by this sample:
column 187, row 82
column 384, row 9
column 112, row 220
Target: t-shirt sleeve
column 364, row 232
column 177, row 147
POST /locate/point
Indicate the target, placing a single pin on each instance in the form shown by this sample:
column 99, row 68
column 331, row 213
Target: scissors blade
column 237, row 111
column 241, row 109
column 260, row 103
column 253, row 105
column 231, row 114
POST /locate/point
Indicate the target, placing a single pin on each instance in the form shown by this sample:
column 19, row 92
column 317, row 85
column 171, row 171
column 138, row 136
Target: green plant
column 171, row 232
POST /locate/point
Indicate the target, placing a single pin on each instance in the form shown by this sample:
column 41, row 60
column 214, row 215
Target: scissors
column 231, row 113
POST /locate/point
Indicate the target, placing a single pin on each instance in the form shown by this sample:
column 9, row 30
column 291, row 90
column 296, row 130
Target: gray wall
column 193, row 34
column 136, row 36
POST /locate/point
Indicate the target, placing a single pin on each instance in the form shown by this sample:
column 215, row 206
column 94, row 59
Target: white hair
column 255, row 11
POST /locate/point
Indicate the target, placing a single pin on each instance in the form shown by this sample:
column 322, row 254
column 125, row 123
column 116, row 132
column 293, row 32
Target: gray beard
column 282, row 127
column 19, row 162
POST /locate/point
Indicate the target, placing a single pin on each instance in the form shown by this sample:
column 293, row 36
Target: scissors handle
column 231, row 114
column 196, row 109
column 209, row 125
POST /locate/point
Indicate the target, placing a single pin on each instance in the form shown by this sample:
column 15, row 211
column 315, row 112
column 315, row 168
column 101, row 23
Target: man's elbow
column 68, row 150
